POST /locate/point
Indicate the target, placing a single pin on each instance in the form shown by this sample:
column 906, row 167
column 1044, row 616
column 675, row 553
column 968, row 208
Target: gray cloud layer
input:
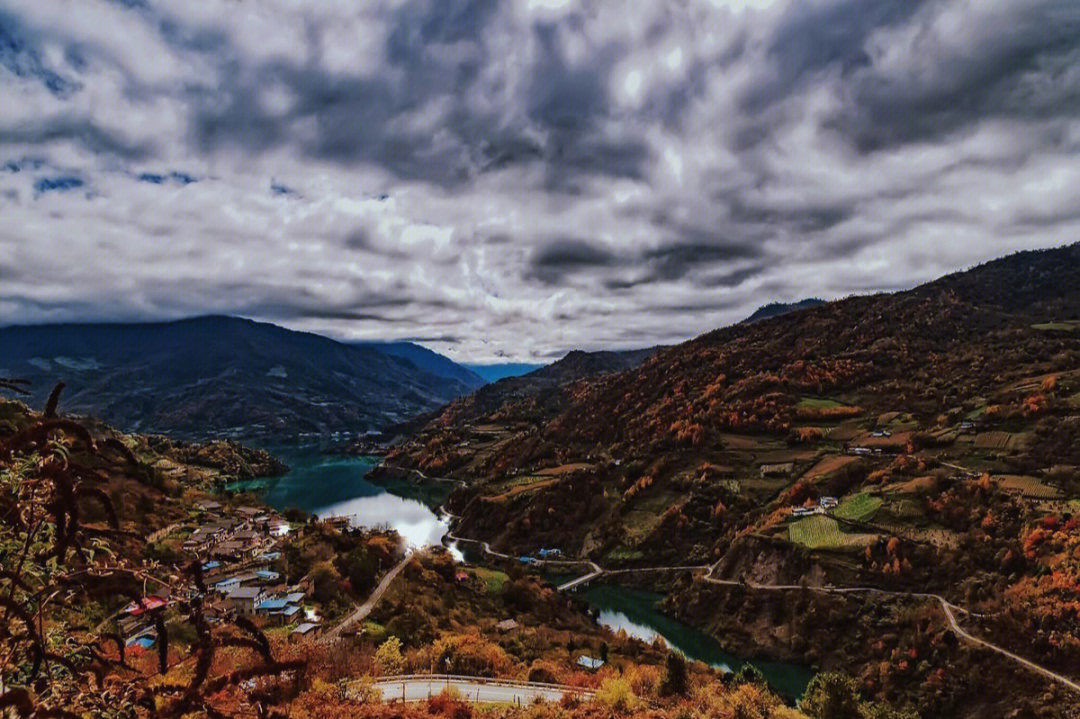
column 514, row 179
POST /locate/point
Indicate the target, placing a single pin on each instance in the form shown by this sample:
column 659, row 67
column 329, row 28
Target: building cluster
column 823, row 506
column 238, row 548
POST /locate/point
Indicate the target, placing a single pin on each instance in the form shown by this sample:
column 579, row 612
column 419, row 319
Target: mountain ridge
column 427, row 360
column 775, row 309
column 221, row 375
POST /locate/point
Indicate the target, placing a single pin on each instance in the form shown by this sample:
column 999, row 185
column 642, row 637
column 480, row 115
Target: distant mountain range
column 437, row 364
column 429, row 361
column 229, row 376
column 502, row 370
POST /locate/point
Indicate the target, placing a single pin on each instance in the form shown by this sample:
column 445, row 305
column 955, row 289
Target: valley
column 330, row 487
column 870, row 503
column 185, row 601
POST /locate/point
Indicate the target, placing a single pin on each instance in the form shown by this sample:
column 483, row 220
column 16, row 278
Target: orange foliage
column 1034, row 405
column 828, row 413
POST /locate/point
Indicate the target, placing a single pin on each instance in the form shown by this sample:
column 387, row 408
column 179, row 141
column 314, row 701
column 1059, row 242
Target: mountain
column 429, row 361
column 924, row 441
column 533, row 386
column 223, row 376
column 775, row 309
column 502, row 370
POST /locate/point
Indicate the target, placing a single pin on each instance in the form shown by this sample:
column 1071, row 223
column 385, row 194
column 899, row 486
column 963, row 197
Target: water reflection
column 411, row 519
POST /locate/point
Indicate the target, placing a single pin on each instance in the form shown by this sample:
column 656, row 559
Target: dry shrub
column 616, row 694
column 449, row 703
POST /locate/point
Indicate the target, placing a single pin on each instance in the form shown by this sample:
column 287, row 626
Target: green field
column 1066, row 326
column 494, row 579
column 820, row 532
column 625, row 554
column 859, row 508
column 818, row 403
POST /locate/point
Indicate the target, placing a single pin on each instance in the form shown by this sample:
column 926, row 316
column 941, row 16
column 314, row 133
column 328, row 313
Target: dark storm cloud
column 83, row 132
column 1028, row 69
column 672, row 262
column 433, row 52
column 799, row 219
column 509, row 177
column 556, row 260
column 810, row 39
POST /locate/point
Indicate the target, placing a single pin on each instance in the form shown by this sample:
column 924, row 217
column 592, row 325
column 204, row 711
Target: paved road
column 361, row 612
column 595, row 571
column 415, row 689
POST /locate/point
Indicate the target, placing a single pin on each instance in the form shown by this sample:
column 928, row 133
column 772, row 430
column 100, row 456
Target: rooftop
column 245, row 593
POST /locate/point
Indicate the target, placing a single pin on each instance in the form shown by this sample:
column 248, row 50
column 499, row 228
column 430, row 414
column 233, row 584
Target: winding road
column 947, row 607
column 595, row 571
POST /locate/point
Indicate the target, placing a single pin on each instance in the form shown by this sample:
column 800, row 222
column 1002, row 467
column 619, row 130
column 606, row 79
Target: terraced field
column 860, row 508
column 1030, row 487
column 829, row 465
column 998, row 440
column 820, row 532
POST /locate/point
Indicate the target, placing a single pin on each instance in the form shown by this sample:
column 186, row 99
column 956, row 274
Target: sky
column 506, row 181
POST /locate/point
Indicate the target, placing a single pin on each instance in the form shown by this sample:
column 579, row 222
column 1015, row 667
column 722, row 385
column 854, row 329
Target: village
column 241, row 554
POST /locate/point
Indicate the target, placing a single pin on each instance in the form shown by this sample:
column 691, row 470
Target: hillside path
column 947, row 607
column 361, row 612
column 596, row 571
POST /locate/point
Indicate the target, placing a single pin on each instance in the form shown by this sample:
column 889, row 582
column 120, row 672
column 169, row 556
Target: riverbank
column 377, row 496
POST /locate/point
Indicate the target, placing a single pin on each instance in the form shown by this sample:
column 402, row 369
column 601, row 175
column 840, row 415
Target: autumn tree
column 676, row 679
column 388, row 657
column 831, row 695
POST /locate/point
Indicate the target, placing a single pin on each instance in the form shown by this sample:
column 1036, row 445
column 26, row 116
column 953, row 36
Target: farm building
column 590, row 663
column 305, row 629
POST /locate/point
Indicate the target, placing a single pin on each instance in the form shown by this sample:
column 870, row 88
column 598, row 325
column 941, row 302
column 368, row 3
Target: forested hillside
column 924, row 440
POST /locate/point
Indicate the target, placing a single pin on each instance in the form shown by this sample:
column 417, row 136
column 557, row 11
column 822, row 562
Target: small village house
column 243, row 600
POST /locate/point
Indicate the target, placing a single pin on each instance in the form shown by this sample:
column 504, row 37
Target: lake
column 330, row 485
column 336, row 485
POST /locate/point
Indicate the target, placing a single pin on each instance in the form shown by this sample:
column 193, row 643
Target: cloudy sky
column 509, row 180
